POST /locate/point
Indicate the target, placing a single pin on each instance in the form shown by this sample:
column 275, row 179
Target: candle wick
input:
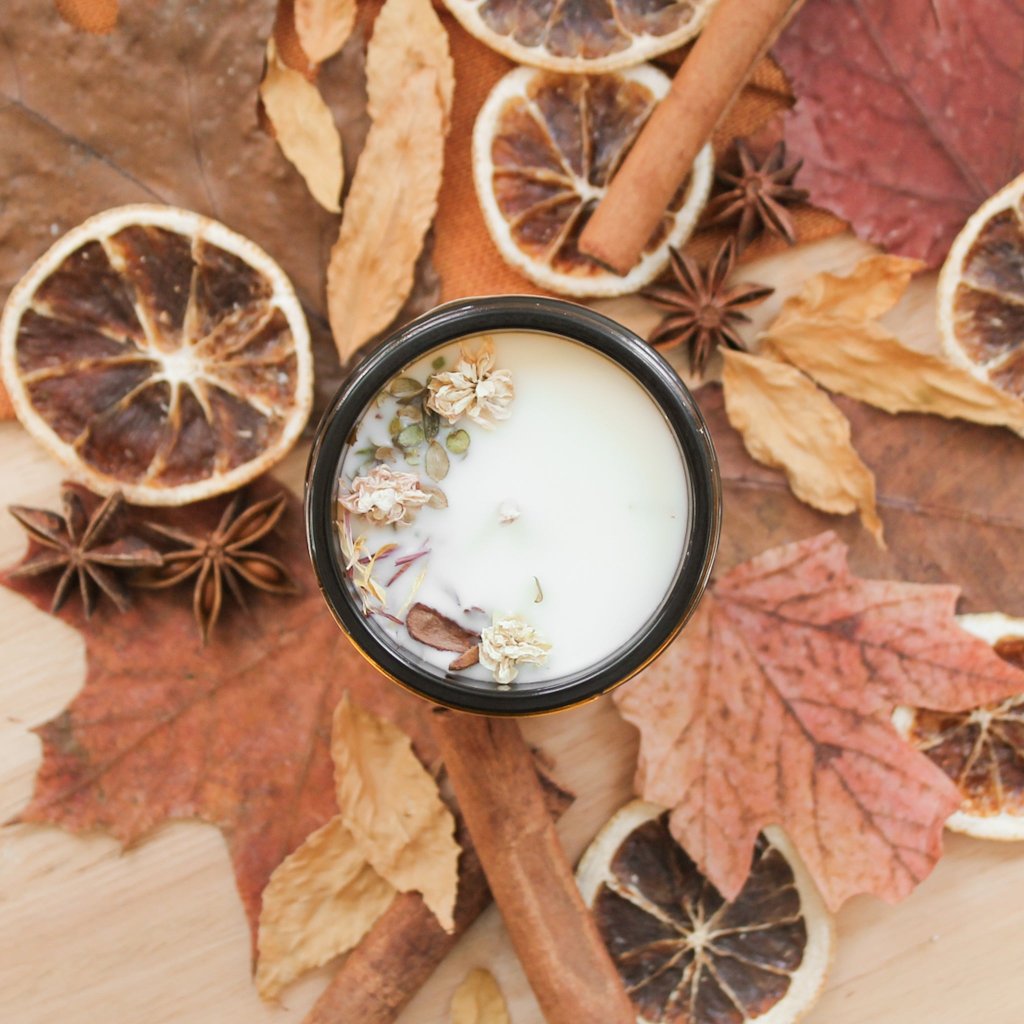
column 508, row 512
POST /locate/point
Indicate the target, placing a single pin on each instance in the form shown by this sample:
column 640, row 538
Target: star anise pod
column 223, row 557
column 82, row 546
column 758, row 195
column 703, row 309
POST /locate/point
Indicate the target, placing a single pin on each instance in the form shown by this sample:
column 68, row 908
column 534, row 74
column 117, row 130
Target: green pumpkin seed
column 431, row 422
column 411, row 436
column 438, row 498
column 436, row 462
column 457, row 442
column 405, row 387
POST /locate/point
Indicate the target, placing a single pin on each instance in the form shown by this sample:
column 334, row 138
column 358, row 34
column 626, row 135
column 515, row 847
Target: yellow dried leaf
column 407, row 37
column 392, row 807
column 830, row 333
column 305, row 129
column 320, row 901
column 478, row 1000
column 788, row 422
column 323, row 26
column 387, row 213
column 870, row 290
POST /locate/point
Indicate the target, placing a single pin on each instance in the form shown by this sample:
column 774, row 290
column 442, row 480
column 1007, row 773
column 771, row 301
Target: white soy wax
column 570, row 515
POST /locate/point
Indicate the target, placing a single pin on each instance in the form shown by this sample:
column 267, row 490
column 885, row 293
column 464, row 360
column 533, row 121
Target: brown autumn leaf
column 165, row 111
column 304, row 128
column 97, row 16
column 913, row 120
column 236, row 733
column 478, row 1000
column 391, row 805
column 323, row 26
column 430, row 627
column 320, row 901
column 772, row 708
column 388, row 211
column 830, row 331
column 407, row 37
column 951, row 495
column 787, row 421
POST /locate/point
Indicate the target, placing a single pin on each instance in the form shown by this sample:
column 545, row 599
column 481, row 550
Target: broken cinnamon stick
column 738, row 33
column 555, row 938
column 406, row 945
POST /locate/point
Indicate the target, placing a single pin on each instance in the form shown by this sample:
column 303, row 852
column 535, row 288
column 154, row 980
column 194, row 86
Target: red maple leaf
column 236, row 733
column 772, row 708
column 908, row 114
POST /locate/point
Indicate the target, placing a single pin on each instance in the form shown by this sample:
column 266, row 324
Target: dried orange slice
column 154, row 351
column 583, row 35
column 686, row 955
column 982, row 750
column 981, row 292
column 545, row 147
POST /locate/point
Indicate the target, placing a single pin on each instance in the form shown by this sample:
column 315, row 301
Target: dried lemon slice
column 154, row 351
column 686, row 955
column 981, row 292
column 545, row 147
column 982, row 750
column 582, row 35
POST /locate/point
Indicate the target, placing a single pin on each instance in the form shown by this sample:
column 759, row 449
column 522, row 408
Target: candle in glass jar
column 525, row 487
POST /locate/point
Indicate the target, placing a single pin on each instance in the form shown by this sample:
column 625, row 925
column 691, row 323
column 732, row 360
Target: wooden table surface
column 93, row 935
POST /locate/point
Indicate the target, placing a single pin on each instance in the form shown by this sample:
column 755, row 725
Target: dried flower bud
column 508, row 643
column 385, row 497
column 473, row 388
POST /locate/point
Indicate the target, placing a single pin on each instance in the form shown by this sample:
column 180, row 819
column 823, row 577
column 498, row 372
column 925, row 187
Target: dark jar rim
column 449, row 323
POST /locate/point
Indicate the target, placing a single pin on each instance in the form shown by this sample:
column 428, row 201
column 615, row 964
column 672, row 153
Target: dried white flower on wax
column 385, row 497
column 508, row 643
column 360, row 567
column 473, row 388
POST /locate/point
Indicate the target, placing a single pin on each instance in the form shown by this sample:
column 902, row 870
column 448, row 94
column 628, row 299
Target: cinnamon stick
column 406, row 945
column 737, row 35
column 558, row 944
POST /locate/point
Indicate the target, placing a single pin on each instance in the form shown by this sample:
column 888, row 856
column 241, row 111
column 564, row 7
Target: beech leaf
column 478, row 1000
column 304, row 128
column 786, row 421
column 830, row 331
column 772, row 708
column 389, row 208
column 319, row 903
column 235, row 733
column 323, row 26
column 391, row 805
column 907, row 114
column 407, row 37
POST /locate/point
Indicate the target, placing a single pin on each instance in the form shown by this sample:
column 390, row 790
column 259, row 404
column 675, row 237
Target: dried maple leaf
column 478, row 1000
column 320, row 901
column 236, row 733
column 772, row 708
column 830, row 331
column 913, row 120
column 787, row 421
column 392, row 807
column 304, row 129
